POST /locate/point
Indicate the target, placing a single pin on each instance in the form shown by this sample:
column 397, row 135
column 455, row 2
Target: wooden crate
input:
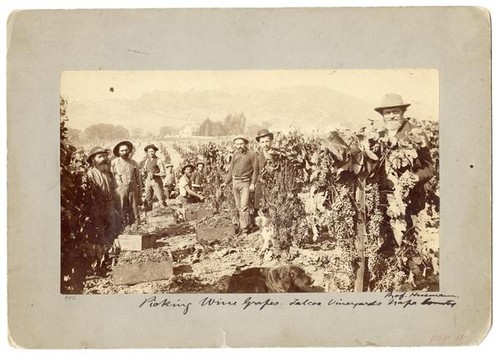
column 142, row 272
column 214, row 233
column 160, row 221
column 130, row 242
column 192, row 215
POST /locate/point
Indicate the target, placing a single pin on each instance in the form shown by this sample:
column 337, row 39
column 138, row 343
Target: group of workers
column 118, row 183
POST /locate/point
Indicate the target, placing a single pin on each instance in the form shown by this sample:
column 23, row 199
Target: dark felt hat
column 94, row 151
column 391, row 101
column 117, row 147
column 150, row 146
column 263, row 133
column 186, row 166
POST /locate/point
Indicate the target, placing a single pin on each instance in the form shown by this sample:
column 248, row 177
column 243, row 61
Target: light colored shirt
column 126, row 172
column 184, row 182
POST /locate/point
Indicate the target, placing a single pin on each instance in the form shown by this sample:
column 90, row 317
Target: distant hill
column 302, row 106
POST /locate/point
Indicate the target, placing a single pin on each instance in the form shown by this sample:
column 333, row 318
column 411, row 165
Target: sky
column 151, row 99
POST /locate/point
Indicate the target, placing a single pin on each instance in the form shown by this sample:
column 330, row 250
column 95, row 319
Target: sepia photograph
column 280, row 181
column 229, row 178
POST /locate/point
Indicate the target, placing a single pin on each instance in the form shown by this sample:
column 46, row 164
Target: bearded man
column 102, row 186
column 128, row 182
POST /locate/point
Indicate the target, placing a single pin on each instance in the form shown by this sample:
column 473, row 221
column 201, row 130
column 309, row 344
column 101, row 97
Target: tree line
column 232, row 124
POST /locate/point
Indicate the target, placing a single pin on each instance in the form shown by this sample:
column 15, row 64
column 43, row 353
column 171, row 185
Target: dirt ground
column 206, row 267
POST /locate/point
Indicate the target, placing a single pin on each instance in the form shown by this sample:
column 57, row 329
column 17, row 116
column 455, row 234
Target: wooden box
column 129, row 242
column 191, row 215
column 214, row 233
column 142, row 272
column 160, row 221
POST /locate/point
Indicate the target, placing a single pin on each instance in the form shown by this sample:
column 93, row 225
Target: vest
column 152, row 165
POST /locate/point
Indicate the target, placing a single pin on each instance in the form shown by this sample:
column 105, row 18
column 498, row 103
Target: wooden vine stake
column 361, row 234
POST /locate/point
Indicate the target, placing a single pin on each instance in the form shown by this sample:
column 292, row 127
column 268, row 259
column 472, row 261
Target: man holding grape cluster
column 392, row 110
column 399, row 129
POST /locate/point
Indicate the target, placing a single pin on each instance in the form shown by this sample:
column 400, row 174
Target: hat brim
column 89, row 158
column 381, row 108
column 270, row 134
column 186, row 166
column 241, row 138
column 127, row 143
column 151, row 146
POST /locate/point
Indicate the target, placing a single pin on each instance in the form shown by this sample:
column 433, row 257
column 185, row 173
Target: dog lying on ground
column 284, row 279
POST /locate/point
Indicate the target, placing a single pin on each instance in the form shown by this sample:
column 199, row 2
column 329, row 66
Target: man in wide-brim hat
column 186, row 192
column 94, row 151
column 243, row 172
column 152, row 146
column 102, row 188
column 265, row 139
column 127, row 176
column 154, row 170
column 126, row 143
column 392, row 109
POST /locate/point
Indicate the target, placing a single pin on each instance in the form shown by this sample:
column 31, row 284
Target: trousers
column 128, row 202
column 154, row 185
column 241, row 193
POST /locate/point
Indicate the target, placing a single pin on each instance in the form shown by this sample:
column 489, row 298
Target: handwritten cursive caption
column 402, row 300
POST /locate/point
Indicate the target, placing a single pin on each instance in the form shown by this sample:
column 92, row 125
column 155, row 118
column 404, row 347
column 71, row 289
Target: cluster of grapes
column 405, row 183
column 385, row 275
column 342, row 224
column 372, row 197
column 325, row 165
column 343, row 266
column 373, row 213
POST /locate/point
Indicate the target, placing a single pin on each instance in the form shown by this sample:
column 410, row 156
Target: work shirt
column 126, row 172
column 244, row 167
column 197, row 179
column 184, row 182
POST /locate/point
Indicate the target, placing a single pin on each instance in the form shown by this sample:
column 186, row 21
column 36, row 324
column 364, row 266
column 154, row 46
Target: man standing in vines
column 265, row 140
column 243, row 172
column 154, row 170
column 105, row 216
column 198, row 177
column 398, row 128
column 128, row 182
